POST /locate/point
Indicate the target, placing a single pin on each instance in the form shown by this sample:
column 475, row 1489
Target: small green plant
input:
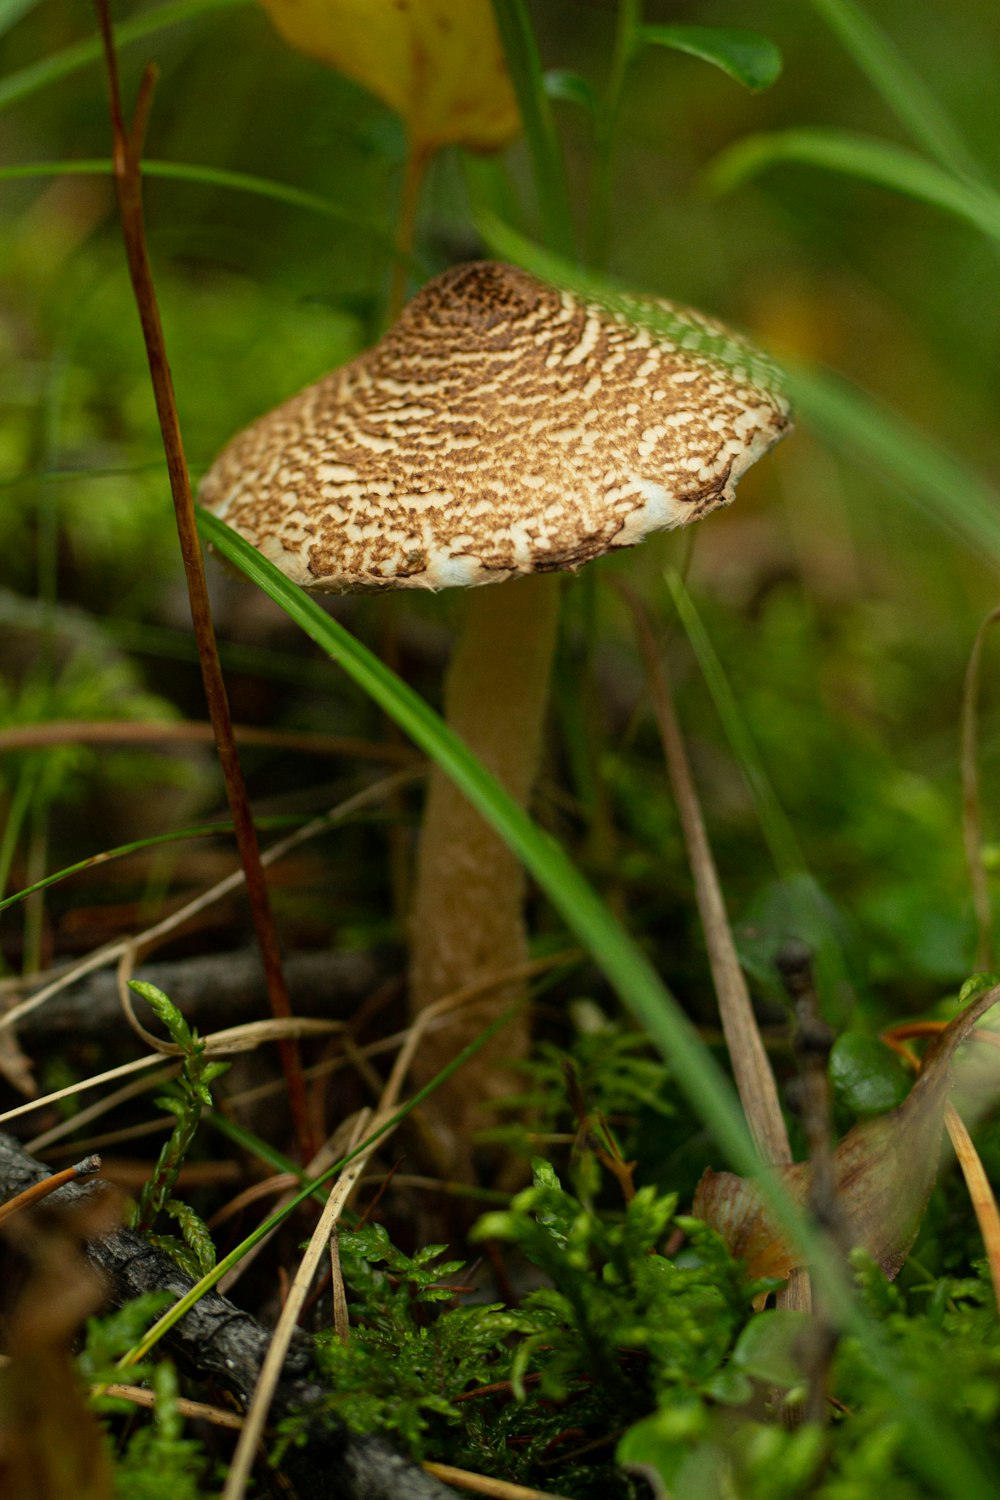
column 156, row 1462
column 603, row 1080
column 194, row 1252
column 401, row 1369
column 618, row 1328
column 865, row 1451
column 612, row 1290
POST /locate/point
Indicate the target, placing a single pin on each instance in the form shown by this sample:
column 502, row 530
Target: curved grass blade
column 747, row 57
column 176, row 835
column 779, row 834
column 897, row 85
column 70, row 60
column 872, row 160
column 221, row 177
column 807, row 907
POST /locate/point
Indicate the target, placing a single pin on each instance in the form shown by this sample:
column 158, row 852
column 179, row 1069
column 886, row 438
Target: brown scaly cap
column 500, row 427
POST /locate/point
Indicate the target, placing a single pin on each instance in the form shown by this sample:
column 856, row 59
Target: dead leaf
column 438, row 63
column 884, row 1170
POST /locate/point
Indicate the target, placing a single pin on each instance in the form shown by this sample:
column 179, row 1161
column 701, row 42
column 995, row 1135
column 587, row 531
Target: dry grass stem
column 281, row 1182
column 747, row 1054
column 270, row 1373
column 94, row 1112
column 245, row 1038
column 751, row 1065
column 341, row 1316
column 482, row 1484
column 981, row 1193
column 40, row 1190
column 137, row 732
column 197, row 1411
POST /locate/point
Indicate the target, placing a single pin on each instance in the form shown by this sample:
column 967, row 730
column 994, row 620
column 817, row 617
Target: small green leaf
column 572, row 88
column 196, row 1235
column 767, row 1348
column 867, row 1076
column 175, row 1107
column 659, row 1442
column 166, row 1011
column 750, row 58
column 975, row 985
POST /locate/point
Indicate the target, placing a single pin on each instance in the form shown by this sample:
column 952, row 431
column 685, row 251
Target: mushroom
column 500, row 428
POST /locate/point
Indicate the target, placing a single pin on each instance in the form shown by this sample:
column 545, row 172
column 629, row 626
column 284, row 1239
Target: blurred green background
column 843, row 612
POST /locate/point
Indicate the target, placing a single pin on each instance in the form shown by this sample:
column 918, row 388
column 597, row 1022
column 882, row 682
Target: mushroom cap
column 500, row 427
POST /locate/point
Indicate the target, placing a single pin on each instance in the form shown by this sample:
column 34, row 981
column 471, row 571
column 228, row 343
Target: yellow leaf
column 438, row 63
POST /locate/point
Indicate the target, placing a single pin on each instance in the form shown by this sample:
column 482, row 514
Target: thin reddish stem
column 127, row 147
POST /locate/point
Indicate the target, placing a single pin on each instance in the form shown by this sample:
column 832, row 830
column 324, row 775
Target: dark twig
column 813, row 1040
column 127, row 153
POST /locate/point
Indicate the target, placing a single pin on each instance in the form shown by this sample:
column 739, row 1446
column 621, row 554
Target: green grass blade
column 746, row 56
column 898, row 86
column 196, row 831
column 521, row 51
column 221, row 177
column 875, row 161
column 809, row 911
column 70, row 60
column 11, row 11
column 775, row 825
column 937, row 483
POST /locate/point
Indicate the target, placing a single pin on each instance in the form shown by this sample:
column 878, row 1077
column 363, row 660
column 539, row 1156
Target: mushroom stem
column 467, row 916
